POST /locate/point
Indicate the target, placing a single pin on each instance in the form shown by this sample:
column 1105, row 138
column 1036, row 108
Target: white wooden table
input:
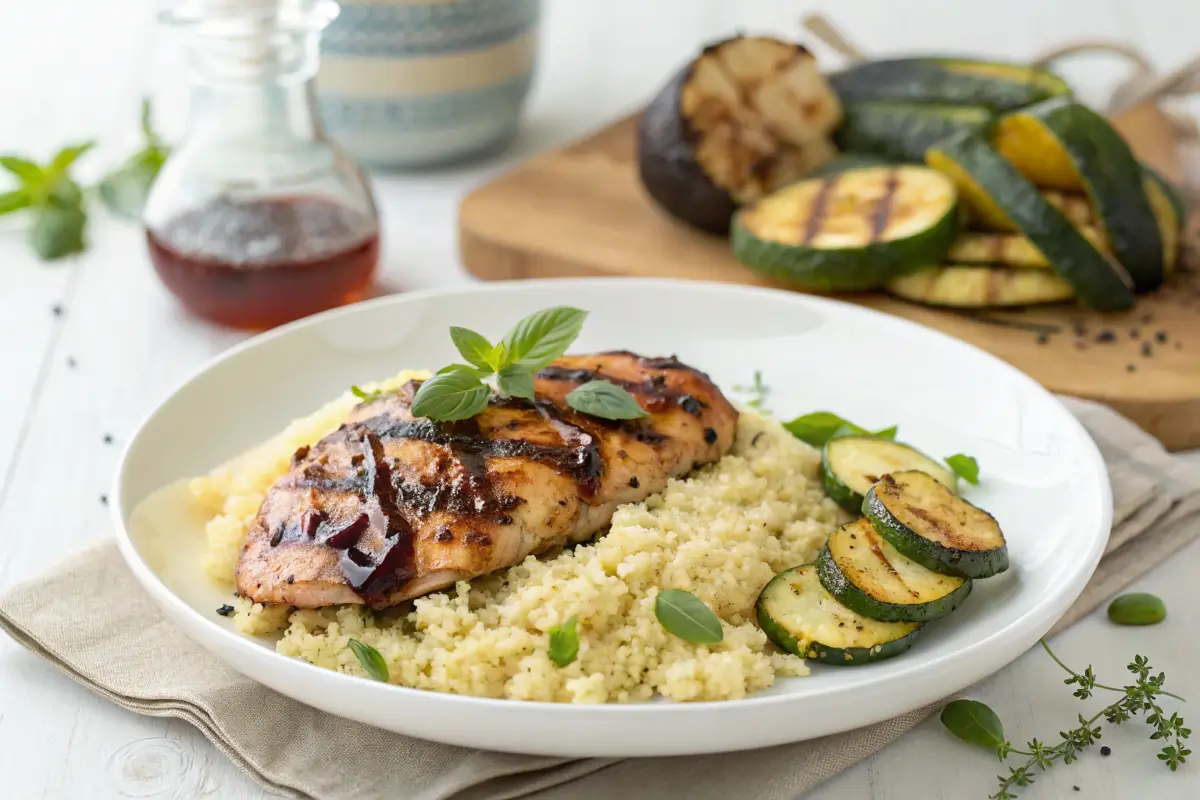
column 69, row 380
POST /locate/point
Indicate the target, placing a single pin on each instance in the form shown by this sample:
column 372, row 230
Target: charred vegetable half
column 749, row 115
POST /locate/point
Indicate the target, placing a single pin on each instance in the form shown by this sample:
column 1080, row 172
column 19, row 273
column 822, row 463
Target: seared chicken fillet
column 391, row 507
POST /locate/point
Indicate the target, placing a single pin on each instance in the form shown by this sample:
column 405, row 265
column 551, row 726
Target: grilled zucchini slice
column 748, row 115
column 948, row 81
column 1171, row 213
column 866, row 574
column 936, row 528
column 798, row 615
column 851, row 231
column 851, row 465
column 988, row 181
column 1010, row 249
column 905, row 130
column 973, row 286
column 1065, row 145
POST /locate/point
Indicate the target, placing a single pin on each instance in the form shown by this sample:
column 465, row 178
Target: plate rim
column 1018, row 633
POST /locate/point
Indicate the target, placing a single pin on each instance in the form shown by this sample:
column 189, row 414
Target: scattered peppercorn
column 1131, row 368
column 57, row 309
column 633, row 482
column 1081, row 345
column 1105, row 336
column 1134, row 333
column 225, row 610
column 71, row 362
column 1106, row 750
column 1080, row 330
column 1147, row 350
column 1160, row 337
column 1147, row 319
column 103, row 499
column 108, row 438
column 1076, row 788
column 1043, row 338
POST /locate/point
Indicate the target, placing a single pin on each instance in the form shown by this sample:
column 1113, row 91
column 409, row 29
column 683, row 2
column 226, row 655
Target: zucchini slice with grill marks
column 869, row 576
column 1171, row 213
column 1009, row 249
column 950, row 81
column 798, row 615
column 851, row 231
column 905, row 130
column 1065, row 145
column 747, row 116
column 935, row 527
column 987, row 180
column 851, row 465
column 974, row 286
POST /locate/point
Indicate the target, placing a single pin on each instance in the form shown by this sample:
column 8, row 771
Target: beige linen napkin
column 135, row 658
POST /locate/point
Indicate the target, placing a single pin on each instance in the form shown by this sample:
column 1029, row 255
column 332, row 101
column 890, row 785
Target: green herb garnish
column 459, row 391
column 364, row 395
column 54, row 199
column 564, row 642
column 124, row 190
column 1138, row 608
column 371, row 660
column 757, row 391
column 604, row 399
column 974, row 722
column 686, row 616
column 965, row 467
column 819, row 427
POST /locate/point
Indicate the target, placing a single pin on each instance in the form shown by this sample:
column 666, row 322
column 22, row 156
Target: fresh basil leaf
column 1138, row 608
column 686, row 616
column 564, row 642
column 888, row 433
column 819, row 427
column 515, row 382
column 965, row 467
column 454, row 393
column 64, row 158
column 57, row 231
column 474, row 348
column 972, row 721
column 124, row 191
column 364, row 395
column 15, row 200
column 27, row 172
column 370, row 659
column 605, row 400
column 542, row 337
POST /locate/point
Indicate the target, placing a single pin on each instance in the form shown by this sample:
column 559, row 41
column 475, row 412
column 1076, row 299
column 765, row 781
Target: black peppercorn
column 108, row 439
column 103, row 499
column 1147, row 351
column 71, row 362
column 1106, row 750
column 1105, row 336
column 1043, row 338
column 225, row 610
column 1160, row 337
column 633, row 482
column 1131, row 367
column 57, row 309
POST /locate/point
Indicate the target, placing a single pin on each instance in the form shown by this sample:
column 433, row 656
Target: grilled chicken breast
column 391, row 507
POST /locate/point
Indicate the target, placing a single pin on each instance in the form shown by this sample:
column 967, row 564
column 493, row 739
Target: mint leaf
column 27, row 172
column 686, row 616
column 454, row 393
column 15, row 200
column 974, row 722
column 57, row 231
column 542, row 337
column 474, row 348
column 64, row 158
column 965, row 467
column 515, row 382
column 605, row 400
column 564, row 642
column 370, row 659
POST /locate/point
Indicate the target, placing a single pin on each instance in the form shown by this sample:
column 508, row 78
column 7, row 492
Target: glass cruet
column 257, row 217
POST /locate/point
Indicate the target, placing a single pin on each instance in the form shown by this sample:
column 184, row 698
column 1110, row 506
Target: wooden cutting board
column 580, row 210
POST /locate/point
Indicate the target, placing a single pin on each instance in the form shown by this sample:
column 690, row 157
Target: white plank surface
column 130, row 344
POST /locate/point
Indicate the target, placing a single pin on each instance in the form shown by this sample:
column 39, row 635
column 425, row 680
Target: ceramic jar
column 410, row 83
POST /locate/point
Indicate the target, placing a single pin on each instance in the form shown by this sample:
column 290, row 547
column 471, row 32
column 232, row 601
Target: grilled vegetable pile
column 910, row 559
column 1036, row 197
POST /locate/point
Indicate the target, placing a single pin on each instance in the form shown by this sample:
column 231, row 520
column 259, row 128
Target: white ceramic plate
column 1042, row 478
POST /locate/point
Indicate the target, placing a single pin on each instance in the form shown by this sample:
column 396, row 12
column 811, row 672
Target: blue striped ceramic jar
column 408, row 83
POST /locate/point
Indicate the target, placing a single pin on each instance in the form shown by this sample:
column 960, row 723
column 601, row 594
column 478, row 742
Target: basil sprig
column 819, row 427
column 54, row 199
column 459, row 391
column 686, row 616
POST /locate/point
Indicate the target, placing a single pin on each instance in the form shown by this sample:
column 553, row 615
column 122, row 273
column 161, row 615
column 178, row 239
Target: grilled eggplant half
column 747, row 116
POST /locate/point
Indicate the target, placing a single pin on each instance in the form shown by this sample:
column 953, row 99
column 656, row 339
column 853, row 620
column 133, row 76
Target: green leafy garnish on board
column 124, row 190
column 819, row 427
column 1138, row 608
column 564, row 642
column 974, row 722
column 459, row 391
column 964, row 467
column 370, row 659
column 53, row 198
column 686, row 616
